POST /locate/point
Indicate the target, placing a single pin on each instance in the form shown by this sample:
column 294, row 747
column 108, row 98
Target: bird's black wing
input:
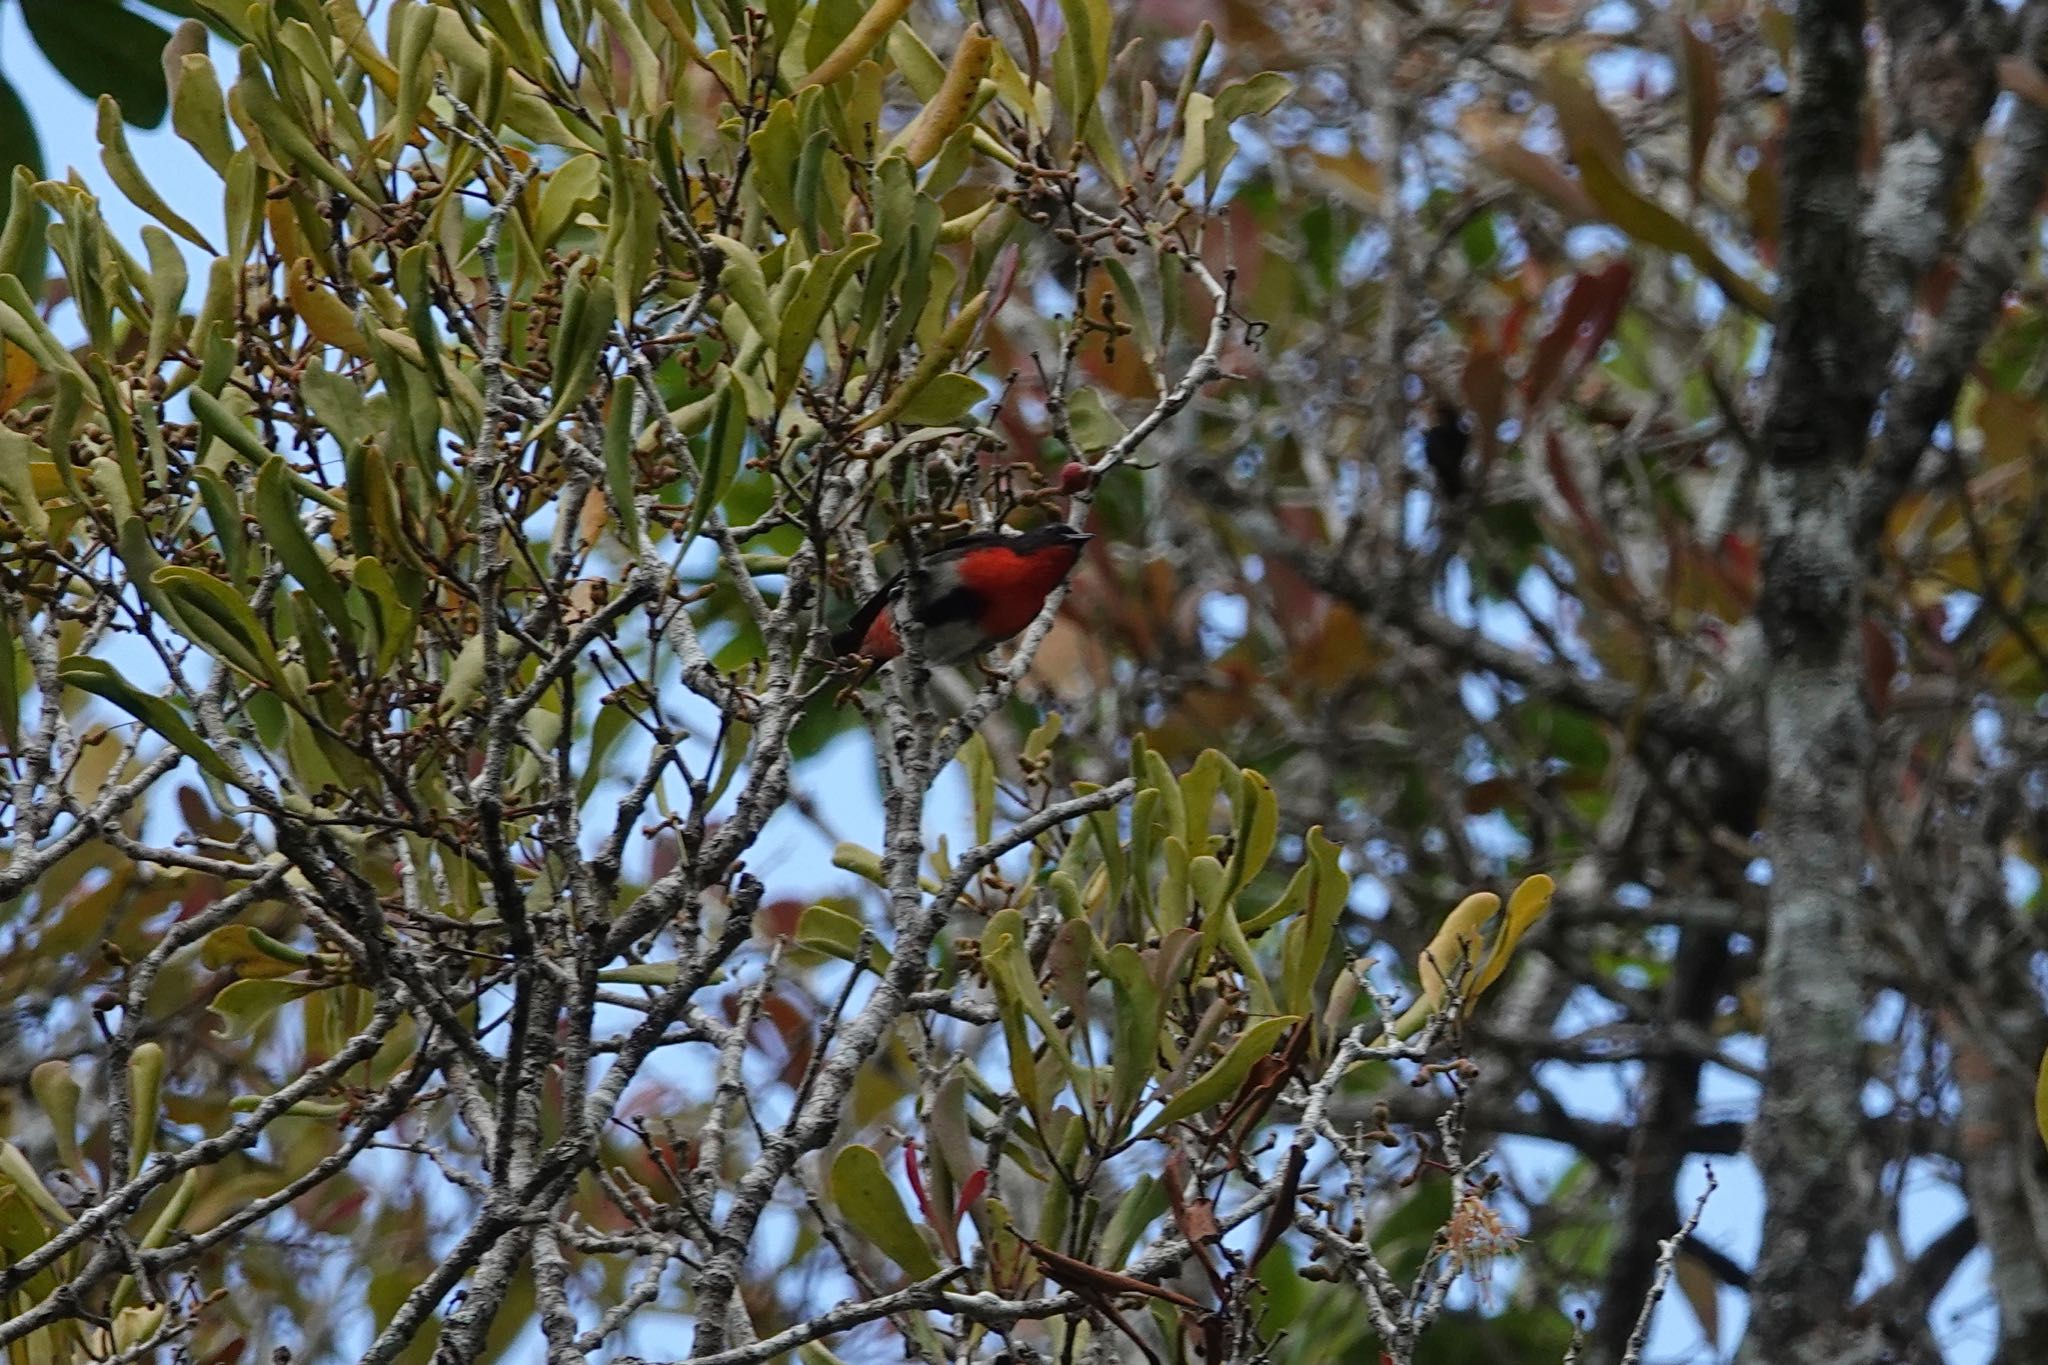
column 944, row 607
column 856, row 628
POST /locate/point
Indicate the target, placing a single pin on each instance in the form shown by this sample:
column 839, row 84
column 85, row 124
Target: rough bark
column 1849, row 279
column 1824, row 370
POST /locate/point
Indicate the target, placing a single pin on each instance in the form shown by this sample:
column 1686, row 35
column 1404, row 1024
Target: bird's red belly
column 1009, row 614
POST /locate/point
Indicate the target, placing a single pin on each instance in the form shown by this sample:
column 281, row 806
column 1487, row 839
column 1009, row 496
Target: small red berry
column 1075, row 477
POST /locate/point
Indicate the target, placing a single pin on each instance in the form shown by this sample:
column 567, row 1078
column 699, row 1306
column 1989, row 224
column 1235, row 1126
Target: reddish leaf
column 1486, row 390
column 1069, row 1273
column 1560, row 467
column 2021, row 76
column 970, row 1192
column 1880, row 664
column 1583, row 324
column 1702, row 76
column 916, row 1179
column 1740, row 565
column 1282, row 1213
column 228, row 1354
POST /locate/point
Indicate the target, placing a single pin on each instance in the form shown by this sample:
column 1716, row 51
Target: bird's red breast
column 978, row 592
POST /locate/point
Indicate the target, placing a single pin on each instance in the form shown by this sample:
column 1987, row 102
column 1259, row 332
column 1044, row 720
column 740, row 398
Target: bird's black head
column 1043, row 537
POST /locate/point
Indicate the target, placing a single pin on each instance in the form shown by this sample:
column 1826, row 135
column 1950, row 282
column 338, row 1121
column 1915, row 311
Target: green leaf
column 391, row 615
column 145, row 1090
column 284, row 133
column 16, row 1170
column 21, row 1232
column 742, row 277
column 572, row 187
column 103, row 48
column 98, row 677
column 775, row 147
column 1094, row 426
column 862, row 1191
column 1256, row 96
column 804, row 312
column 21, row 246
column 981, row 785
column 219, row 421
column 944, row 400
column 721, row 457
column 17, row 482
column 277, row 512
column 1140, row 1010
column 640, row 974
column 1221, row 1081
column 1258, row 829
column 618, row 460
column 338, row 404
column 324, row 1110
column 1040, row 741
column 465, row 678
column 862, row 862
column 9, row 682
column 127, row 176
column 1145, row 1202
column 199, row 110
column 250, row 952
column 1081, row 63
column 174, row 1211
column 830, row 930
column 167, row 280
column 1598, row 147
column 1198, row 797
column 1011, row 976
column 244, row 1005
column 1148, row 769
column 823, row 929
column 1456, row 944
column 57, row 1090
column 1308, row 938
column 221, row 622
column 1196, row 120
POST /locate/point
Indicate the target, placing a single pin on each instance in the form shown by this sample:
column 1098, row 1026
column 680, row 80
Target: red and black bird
column 978, row 592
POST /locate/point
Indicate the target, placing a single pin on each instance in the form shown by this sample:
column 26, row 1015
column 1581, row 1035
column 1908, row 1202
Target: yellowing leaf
column 325, row 315
column 18, row 374
column 925, row 134
column 872, row 28
column 2041, row 1099
column 1457, row 941
column 1525, row 907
